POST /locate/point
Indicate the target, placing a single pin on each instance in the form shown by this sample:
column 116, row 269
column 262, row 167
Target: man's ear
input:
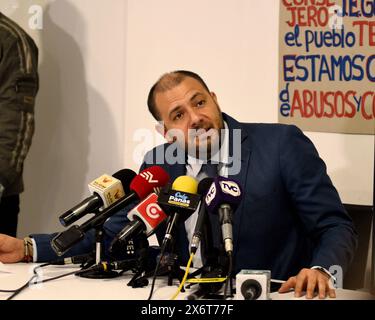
column 213, row 95
column 161, row 129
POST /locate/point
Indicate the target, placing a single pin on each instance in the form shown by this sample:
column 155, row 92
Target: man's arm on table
column 319, row 209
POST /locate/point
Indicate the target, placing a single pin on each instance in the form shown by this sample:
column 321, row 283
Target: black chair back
column 362, row 218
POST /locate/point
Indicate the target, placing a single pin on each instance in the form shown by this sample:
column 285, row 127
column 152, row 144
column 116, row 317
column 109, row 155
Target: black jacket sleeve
column 19, row 85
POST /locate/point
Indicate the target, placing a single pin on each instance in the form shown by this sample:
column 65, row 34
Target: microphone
column 223, row 198
column 178, row 201
column 251, row 289
column 145, row 217
column 141, row 186
column 105, row 190
column 79, row 259
column 203, row 187
column 116, row 265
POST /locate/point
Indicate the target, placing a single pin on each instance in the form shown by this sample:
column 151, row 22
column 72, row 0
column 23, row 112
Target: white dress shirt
column 193, row 169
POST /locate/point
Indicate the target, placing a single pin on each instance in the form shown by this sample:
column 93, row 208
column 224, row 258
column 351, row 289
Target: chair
column 362, row 218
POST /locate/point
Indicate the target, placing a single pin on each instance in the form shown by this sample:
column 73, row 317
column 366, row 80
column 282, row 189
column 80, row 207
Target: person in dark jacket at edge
column 19, row 84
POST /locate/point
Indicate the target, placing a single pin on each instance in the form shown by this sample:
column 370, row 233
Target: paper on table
column 4, row 269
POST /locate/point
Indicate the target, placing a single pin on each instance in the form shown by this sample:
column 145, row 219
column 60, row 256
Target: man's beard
column 200, row 143
column 203, row 144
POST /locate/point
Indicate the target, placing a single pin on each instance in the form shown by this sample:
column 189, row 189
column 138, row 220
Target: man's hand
column 11, row 249
column 309, row 280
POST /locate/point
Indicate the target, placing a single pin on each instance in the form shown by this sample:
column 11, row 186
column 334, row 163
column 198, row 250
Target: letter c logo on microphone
column 153, row 210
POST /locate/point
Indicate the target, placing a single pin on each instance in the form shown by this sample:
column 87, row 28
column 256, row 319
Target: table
column 77, row 288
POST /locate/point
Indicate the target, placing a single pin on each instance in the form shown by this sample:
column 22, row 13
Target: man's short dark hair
column 166, row 82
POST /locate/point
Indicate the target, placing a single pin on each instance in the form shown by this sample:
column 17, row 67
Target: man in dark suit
column 290, row 221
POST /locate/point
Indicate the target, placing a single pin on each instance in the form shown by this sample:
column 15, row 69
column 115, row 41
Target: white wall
column 80, row 106
column 213, row 38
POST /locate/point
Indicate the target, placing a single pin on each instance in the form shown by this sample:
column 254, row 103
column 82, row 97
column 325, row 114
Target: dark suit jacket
column 290, row 216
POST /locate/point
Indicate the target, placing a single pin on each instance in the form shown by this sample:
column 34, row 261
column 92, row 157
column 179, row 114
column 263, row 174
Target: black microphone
column 179, row 201
column 251, row 289
column 223, row 198
column 116, row 265
column 141, row 186
column 203, row 187
column 105, row 191
column 79, row 259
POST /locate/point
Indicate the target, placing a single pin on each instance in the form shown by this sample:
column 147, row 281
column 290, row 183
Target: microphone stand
column 210, row 290
column 173, row 266
column 138, row 265
column 216, row 265
column 98, row 252
column 169, row 266
column 137, row 281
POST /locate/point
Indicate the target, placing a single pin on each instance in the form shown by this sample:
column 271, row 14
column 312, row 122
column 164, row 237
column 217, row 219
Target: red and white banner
column 327, row 65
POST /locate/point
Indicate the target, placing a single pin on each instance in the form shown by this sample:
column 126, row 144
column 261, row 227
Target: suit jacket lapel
column 242, row 158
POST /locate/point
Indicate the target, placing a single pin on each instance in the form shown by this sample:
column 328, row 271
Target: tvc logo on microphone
column 230, row 187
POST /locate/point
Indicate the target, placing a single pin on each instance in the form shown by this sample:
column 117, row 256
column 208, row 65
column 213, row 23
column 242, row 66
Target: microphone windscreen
column 185, row 184
column 126, row 176
column 223, row 191
column 149, row 212
column 149, row 179
column 204, row 185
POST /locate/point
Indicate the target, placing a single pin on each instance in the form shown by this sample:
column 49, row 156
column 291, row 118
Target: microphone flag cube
column 108, row 188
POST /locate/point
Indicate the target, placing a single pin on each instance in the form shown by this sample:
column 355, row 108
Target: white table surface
column 77, row 288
